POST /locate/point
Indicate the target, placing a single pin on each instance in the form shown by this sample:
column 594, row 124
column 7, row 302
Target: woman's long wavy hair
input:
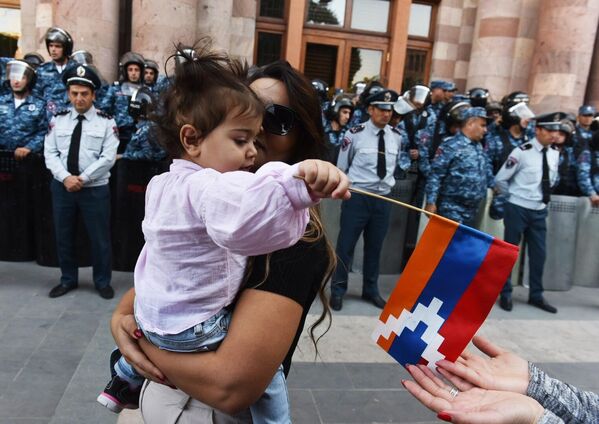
column 310, row 145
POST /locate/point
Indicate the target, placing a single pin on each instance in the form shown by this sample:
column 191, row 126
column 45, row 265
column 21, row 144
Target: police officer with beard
column 588, row 170
column 116, row 100
column 23, row 122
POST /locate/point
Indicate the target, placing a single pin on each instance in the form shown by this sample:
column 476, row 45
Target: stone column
column 562, row 59
column 158, row 26
column 447, row 40
column 525, row 45
column 243, row 30
column 495, row 36
column 398, row 44
column 592, row 96
column 460, row 72
column 214, row 19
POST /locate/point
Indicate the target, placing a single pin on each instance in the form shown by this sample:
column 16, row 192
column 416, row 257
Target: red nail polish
column 138, row 334
column 444, row 416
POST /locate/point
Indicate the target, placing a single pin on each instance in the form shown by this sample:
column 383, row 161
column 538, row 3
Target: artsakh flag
column 446, row 291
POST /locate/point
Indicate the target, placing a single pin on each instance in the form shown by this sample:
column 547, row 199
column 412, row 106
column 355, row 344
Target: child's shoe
column 118, row 395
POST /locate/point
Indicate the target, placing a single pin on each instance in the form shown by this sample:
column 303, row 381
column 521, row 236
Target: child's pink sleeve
column 253, row 214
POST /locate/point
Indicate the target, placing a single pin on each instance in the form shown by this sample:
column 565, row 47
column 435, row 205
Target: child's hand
column 324, row 179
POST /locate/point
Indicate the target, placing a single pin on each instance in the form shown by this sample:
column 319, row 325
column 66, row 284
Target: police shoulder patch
column 104, row 114
column 357, row 129
column 511, row 162
column 59, row 112
column 526, row 146
column 345, row 144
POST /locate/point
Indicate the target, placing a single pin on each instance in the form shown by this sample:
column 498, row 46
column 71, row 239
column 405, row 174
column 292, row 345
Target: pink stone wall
column 562, row 58
column 447, row 40
column 592, row 95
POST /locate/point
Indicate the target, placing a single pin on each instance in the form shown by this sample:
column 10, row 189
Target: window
column 268, row 48
column 370, row 15
column 365, row 64
column 326, row 13
column 420, row 20
column 321, row 61
column 416, row 68
column 10, row 22
column 272, row 9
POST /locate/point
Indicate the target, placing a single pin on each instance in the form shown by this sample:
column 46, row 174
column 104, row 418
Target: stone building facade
column 548, row 48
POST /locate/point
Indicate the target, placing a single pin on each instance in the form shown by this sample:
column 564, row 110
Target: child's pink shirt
column 200, row 226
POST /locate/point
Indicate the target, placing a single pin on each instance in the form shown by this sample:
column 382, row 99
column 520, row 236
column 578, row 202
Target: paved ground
column 54, row 354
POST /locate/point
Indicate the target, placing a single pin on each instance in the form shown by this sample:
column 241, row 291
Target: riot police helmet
column 515, row 98
column 152, row 64
column 59, row 35
column 17, row 69
column 478, row 96
column 452, row 112
column 82, row 57
column 371, row 88
column 419, row 95
column 322, row 89
column 34, row 59
column 340, row 101
column 493, row 106
column 140, row 103
column 358, row 87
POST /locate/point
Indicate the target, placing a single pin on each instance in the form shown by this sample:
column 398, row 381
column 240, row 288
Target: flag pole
column 397, row 202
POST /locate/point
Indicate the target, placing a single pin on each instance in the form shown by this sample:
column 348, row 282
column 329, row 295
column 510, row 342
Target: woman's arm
column 233, row 377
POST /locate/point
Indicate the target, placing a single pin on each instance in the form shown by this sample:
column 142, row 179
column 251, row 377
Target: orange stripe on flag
column 423, row 262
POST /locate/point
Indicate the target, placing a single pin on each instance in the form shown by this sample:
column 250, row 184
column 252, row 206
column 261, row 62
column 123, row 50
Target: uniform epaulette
column 357, row 128
column 526, row 146
column 395, row 130
column 103, row 114
column 61, row 112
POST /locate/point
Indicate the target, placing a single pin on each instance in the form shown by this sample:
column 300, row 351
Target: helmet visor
column 16, row 70
column 521, row 110
column 419, row 94
column 403, row 106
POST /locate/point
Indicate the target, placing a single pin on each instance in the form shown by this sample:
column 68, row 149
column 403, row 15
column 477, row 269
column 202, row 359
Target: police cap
column 383, row 99
column 82, row 75
column 437, row 84
column 449, row 86
column 587, row 110
column 551, row 121
column 473, row 112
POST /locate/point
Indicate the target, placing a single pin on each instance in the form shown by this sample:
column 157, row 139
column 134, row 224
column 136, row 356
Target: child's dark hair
column 206, row 88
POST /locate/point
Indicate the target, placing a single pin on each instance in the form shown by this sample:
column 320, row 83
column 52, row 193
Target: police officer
column 23, row 122
column 583, row 133
column 527, row 177
column 152, row 78
column 83, row 57
column 460, row 172
column 116, row 100
column 567, row 184
column 50, row 87
column 80, row 148
column 588, row 170
column 478, row 97
column 369, row 155
column 437, row 96
column 337, row 117
column 144, row 144
column 494, row 110
column 450, row 91
column 34, row 59
column 322, row 89
column 499, row 144
column 4, row 84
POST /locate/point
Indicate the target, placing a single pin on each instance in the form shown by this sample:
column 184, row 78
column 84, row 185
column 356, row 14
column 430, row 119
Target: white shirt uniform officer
column 527, row 177
column 80, row 148
column 369, row 155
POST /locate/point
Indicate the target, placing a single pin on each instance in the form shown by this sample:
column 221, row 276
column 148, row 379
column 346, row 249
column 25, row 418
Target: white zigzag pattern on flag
column 429, row 316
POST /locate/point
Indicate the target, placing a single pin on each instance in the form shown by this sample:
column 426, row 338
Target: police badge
column 80, row 71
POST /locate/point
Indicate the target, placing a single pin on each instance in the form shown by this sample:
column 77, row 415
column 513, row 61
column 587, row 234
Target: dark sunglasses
column 278, row 119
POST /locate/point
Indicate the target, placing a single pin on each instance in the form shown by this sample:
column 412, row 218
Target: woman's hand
column 324, row 179
column 473, row 405
column 503, row 370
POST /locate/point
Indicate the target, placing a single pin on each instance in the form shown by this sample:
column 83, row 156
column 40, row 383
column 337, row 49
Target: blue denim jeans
column 272, row 407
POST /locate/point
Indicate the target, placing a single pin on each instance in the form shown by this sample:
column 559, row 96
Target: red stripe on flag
column 424, row 260
column 476, row 303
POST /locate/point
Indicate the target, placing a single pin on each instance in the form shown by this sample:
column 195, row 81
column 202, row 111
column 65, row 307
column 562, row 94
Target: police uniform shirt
column 521, row 174
column 359, row 154
column 24, row 125
column 97, row 151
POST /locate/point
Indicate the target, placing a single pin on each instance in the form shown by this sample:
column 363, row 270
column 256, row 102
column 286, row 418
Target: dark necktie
column 73, row 157
column 381, row 163
column 545, row 187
